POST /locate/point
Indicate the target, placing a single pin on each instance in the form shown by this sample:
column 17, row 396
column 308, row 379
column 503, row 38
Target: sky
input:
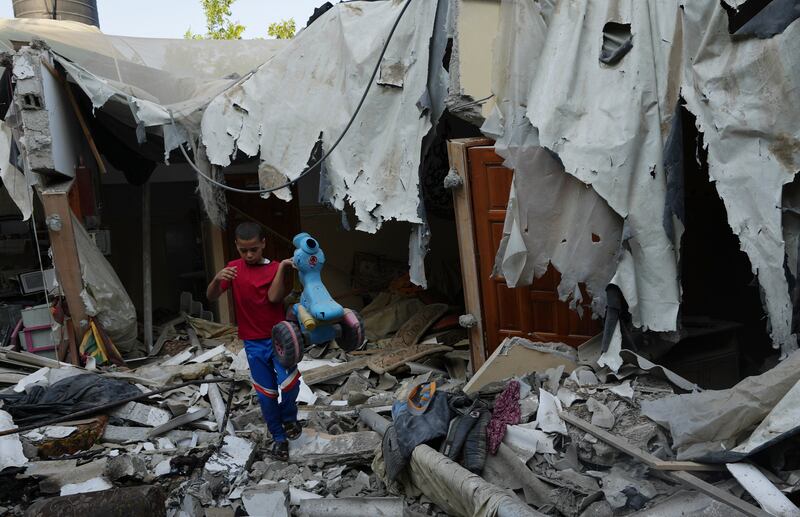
column 171, row 18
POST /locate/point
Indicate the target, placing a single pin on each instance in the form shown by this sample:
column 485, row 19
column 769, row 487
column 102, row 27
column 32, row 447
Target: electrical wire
column 309, row 168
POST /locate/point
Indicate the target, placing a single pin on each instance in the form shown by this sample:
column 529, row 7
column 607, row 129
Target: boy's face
column 251, row 250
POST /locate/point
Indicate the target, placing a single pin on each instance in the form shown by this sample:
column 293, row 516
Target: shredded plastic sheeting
column 608, row 125
column 744, row 95
column 551, row 216
column 13, row 179
column 104, row 295
column 706, row 426
column 313, row 86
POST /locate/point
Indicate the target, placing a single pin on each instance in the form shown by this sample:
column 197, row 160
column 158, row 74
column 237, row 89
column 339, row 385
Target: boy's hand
column 228, row 273
column 289, row 262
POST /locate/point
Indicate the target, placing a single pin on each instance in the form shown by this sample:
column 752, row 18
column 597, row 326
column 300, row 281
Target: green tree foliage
column 284, row 29
column 218, row 22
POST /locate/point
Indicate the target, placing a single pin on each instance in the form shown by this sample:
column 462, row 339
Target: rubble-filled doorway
column 533, row 312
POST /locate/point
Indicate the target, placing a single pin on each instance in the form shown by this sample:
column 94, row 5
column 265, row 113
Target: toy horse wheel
column 352, row 331
column 287, row 343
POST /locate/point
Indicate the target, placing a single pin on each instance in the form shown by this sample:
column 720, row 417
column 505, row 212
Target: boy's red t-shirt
column 255, row 314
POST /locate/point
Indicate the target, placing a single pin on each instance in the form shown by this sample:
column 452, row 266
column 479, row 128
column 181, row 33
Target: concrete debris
column 322, row 448
column 11, row 454
column 142, row 414
column 348, row 507
column 92, row 485
column 554, row 462
column 270, row 500
column 601, row 415
column 232, row 459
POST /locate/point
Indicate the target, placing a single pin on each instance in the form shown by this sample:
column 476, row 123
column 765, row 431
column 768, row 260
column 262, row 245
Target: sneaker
column 280, row 451
column 293, row 430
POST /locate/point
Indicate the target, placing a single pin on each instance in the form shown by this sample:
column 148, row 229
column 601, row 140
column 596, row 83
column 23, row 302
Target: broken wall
column 600, row 97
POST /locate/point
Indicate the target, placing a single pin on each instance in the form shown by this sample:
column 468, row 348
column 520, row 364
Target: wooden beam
column 676, row 470
column 147, row 270
column 468, row 251
column 217, row 254
column 65, row 257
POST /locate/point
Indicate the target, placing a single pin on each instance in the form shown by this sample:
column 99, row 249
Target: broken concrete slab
column 140, row 501
column 349, row 507
column 517, row 356
column 11, row 454
column 320, row 448
column 296, row 495
column 601, row 415
column 207, row 356
column 142, row 414
column 268, row 500
column 184, row 419
column 232, row 459
column 55, row 474
column 126, row 466
column 549, row 414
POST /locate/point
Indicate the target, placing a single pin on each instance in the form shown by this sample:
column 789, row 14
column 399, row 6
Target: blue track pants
column 269, row 377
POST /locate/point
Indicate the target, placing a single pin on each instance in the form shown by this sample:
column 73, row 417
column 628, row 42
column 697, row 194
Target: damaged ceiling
column 607, row 123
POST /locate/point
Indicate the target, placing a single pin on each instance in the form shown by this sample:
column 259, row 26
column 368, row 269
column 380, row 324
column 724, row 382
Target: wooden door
column 280, row 219
column 533, row 312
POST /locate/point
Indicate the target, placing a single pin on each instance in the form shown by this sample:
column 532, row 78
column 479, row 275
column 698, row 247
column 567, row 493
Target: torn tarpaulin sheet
column 705, row 426
column 313, row 85
column 551, row 216
column 771, row 19
column 736, row 89
column 104, row 295
column 65, row 397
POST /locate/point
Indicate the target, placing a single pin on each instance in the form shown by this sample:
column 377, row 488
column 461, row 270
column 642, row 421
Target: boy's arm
column 220, row 283
column 282, row 285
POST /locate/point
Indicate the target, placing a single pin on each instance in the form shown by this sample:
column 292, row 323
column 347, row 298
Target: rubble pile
column 400, row 427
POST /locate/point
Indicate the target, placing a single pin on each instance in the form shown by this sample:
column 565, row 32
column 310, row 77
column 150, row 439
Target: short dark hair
column 249, row 231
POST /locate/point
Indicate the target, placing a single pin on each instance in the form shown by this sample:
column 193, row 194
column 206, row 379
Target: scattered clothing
column 506, row 412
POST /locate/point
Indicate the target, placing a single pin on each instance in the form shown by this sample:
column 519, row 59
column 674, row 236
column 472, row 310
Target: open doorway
column 722, row 316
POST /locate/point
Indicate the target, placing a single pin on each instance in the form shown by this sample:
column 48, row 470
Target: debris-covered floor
column 539, row 429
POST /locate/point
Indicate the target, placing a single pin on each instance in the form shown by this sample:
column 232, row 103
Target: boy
column 259, row 287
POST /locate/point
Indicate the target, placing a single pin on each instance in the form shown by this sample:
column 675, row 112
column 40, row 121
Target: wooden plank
column 630, row 449
column 393, row 359
column 720, row 495
column 147, row 270
column 470, row 278
column 672, row 469
column 224, row 305
column 65, row 255
column 328, row 373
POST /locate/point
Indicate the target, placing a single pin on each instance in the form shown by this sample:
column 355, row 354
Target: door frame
column 471, row 281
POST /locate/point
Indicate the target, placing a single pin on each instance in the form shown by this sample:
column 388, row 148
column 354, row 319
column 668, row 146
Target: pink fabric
column 506, row 412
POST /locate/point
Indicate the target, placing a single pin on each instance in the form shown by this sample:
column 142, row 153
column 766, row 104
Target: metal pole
column 147, row 280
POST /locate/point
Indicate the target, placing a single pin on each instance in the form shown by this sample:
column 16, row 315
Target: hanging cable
column 327, row 153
